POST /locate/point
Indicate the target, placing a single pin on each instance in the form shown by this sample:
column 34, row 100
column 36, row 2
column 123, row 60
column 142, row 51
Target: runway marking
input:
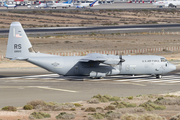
column 135, row 84
column 43, row 87
column 169, row 79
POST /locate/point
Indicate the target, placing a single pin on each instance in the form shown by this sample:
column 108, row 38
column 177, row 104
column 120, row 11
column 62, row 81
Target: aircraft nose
column 172, row 67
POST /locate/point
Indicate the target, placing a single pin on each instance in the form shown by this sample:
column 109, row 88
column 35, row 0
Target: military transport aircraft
column 94, row 65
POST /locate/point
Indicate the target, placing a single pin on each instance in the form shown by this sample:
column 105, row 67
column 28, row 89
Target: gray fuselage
column 133, row 65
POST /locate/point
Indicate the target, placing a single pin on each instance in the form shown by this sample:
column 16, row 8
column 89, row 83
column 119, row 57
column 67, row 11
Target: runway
column 18, row 90
column 104, row 28
column 167, row 79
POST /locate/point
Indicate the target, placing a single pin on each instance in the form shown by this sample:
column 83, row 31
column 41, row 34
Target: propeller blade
column 120, row 62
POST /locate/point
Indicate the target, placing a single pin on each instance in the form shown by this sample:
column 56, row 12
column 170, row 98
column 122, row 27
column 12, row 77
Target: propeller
column 120, row 62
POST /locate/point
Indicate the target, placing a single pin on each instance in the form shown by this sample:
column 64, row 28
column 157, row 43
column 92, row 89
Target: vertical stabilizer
column 18, row 46
column 68, row 2
column 5, row 4
column 92, row 4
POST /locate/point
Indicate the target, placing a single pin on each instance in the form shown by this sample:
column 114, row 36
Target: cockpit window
column 163, row 60
column 32, row 50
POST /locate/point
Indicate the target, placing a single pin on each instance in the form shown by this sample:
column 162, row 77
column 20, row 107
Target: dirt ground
column 96, row 42
column 71, row 18
column 170, row 102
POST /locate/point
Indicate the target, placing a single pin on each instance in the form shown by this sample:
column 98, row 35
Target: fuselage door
column 76, row 69
column 127, row 67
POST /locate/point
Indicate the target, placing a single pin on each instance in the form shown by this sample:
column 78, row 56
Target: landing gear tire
column 159, row 76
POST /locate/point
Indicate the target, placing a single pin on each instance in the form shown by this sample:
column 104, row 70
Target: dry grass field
column 71, row 18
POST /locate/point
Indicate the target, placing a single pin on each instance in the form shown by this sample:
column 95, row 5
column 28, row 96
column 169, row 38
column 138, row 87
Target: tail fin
column 92, row 4
column 68, row 2
column 19, row 46
column 5, row 4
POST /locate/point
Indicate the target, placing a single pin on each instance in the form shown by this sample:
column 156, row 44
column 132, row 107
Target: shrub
column 124, row 104
column 106, row 98
column 130, row 117
column 51, row 106
column 150, row 106
column 120, row 106
column 115, row 103
column 93, row 101
column 139, row 110
column 39, row 115
column 100, row 109
column 109, row 108
column 51, row 103
column 115, row 98
column 35, row 103
column 28, row 107
column 131, row 105
column 77, row 105
column 101, row 98
column 170, row 96
column 110, row 98
column 151, row 117
column 168, row 101
column 90, row 109
column 130, row 97
column 64, row 115
column 98, row 115
column 72, row 109
column 112, row 115
column 175, row 117
column 9, row 108
column 90, row 117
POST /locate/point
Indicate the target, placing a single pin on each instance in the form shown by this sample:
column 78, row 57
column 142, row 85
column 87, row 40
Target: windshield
column 163, row 60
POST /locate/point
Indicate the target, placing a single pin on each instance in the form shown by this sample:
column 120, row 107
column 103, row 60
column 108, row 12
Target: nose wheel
column 159, row 76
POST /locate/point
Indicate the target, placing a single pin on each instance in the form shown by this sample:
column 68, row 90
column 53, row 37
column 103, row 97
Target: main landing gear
column 159, row 76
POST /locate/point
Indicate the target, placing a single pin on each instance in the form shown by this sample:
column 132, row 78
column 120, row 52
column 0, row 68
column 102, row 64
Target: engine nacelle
column 97, row 74
column 111, row 61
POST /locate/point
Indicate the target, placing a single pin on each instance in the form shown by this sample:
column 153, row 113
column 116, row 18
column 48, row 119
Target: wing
column 102, row 58
column 94, row 57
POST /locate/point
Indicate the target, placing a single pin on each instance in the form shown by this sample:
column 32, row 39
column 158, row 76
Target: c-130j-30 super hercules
column 94, row 65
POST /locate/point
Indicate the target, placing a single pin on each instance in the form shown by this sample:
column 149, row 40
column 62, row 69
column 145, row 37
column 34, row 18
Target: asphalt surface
column 36, row 83
column 54, row 31
column 123, row 27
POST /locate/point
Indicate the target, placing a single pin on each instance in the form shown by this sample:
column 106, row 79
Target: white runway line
column 48, row 88
column 136, row 79
column 32, row 77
